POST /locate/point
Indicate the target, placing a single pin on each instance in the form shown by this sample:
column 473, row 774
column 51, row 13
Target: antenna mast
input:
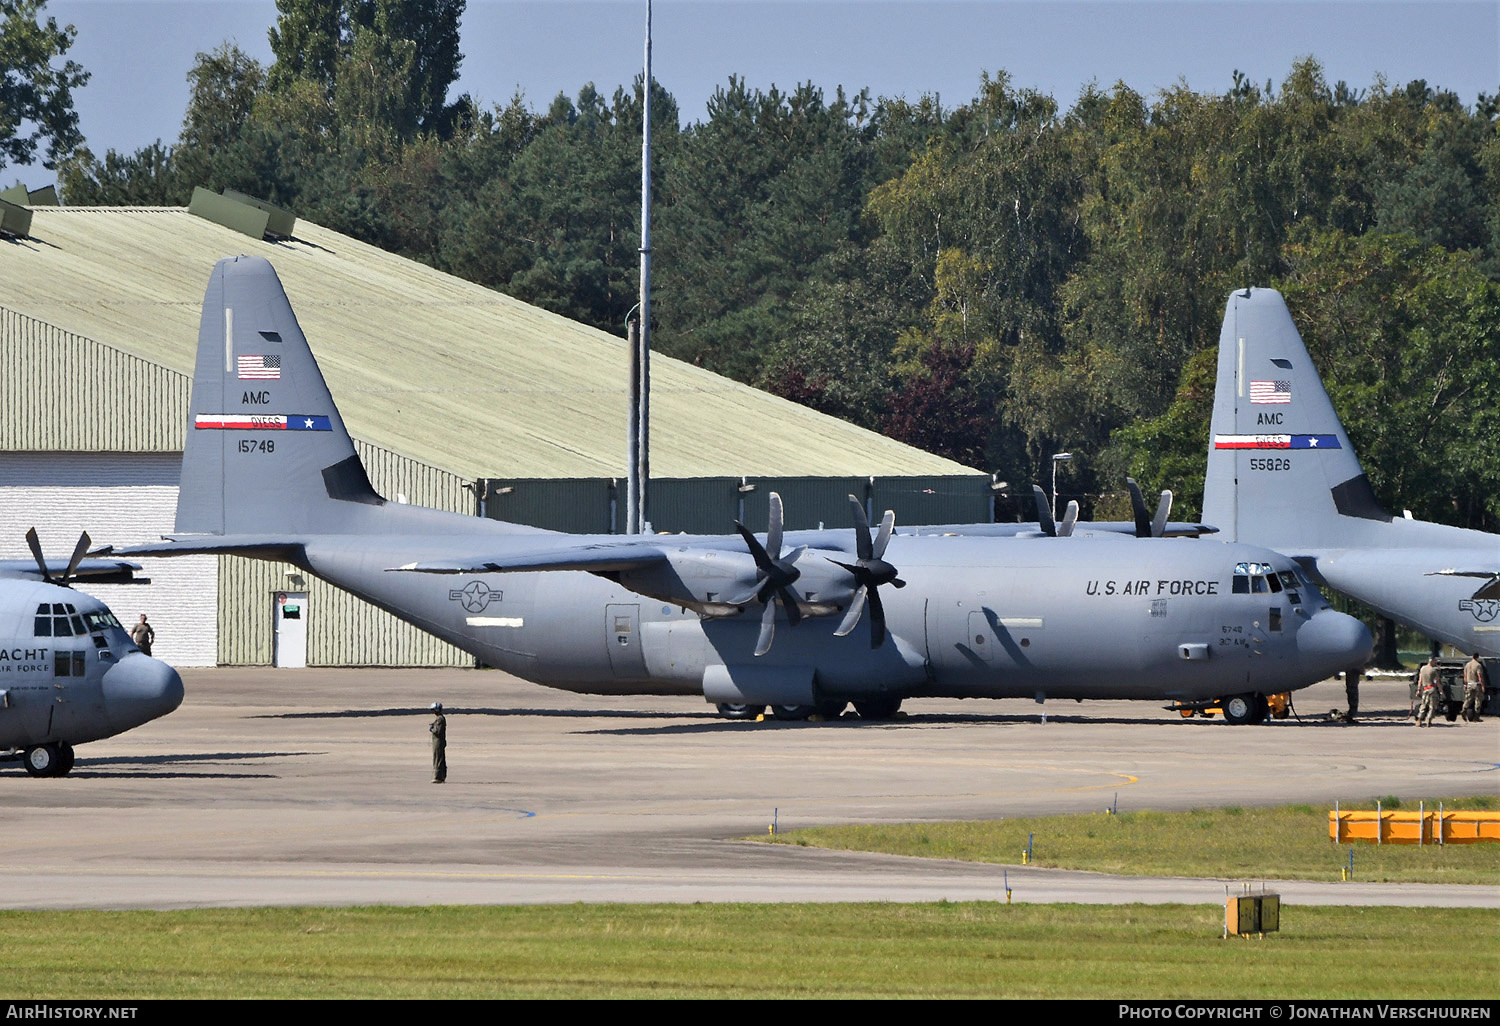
column 638, row 430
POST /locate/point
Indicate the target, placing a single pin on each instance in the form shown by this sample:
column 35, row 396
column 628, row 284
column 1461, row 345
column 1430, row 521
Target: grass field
column 1285, row 842
column 954, row 950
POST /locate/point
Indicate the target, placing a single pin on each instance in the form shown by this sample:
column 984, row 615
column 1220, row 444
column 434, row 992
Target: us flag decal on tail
column 259, row 368
column 1271, row 391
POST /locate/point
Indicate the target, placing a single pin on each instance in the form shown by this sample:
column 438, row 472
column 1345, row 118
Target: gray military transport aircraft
column 871, row 617
column 1281, row 472
column 69, row 672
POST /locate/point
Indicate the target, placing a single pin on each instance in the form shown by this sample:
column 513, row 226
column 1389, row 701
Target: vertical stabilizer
column 266, row 449
column 1281, row 471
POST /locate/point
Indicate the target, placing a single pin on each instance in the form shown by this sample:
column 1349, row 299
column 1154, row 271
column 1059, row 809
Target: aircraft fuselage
column 980, row 618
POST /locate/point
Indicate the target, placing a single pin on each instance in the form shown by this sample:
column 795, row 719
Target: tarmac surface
column 289, row 787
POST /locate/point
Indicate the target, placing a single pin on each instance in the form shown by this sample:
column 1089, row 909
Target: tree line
column 994, row 281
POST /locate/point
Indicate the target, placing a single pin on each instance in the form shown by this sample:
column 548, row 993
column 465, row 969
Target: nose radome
column 139, row 688
column 1332, row 641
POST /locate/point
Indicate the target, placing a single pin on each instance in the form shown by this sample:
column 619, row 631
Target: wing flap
column 588, row 558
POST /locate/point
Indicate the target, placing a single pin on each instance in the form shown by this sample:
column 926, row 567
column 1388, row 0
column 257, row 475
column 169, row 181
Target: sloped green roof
column 421, row 362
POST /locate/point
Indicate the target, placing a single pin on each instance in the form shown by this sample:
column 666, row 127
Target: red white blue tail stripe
column 1276, row 442
column 260, row 422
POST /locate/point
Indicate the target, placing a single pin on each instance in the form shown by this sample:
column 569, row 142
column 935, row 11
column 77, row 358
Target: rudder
column 266, row 449
column 1281, row 471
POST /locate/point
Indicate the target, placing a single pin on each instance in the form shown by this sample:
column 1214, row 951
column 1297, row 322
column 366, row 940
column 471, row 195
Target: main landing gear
column 1250, row 707
column 832, row 709
column 54, row 759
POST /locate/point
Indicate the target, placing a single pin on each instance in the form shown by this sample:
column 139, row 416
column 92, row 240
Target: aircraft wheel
column 793, row 712
column 64, row 759
column 1262, row 709
column 42, row 760
column 877, row 708
column 1239, row 709
column 831, row 709
column 740, row 710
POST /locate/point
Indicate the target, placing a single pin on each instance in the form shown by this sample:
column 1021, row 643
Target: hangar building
column 458, row 397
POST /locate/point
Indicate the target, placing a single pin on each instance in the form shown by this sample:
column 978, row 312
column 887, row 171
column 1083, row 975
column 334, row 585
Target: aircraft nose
column 1332, row 641
column 139, row 688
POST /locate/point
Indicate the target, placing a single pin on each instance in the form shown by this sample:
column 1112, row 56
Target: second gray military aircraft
column 1281, row 472
column 802, row 622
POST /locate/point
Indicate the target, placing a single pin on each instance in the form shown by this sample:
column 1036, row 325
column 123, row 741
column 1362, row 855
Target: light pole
column 1058, row 457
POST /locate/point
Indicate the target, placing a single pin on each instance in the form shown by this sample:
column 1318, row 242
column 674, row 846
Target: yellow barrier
column 1413, row 827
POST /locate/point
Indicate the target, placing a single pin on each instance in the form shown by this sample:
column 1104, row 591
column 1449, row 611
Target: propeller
column 79, row 551
column 870, row 571
column 1145, row 525
column 774, row 575
column 1044, row 512
column 1069, row 520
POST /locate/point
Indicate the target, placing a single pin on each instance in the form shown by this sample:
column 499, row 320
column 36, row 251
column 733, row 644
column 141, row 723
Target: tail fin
column 1281, row 471
column 266, row 449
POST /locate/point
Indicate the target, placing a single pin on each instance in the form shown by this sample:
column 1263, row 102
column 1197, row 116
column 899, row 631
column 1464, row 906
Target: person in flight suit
column 438, row 728
column 143, row 634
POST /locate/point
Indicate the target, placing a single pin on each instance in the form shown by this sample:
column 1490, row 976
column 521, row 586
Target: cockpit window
column 57, row 621
column 101, row 620
column 1255, row 578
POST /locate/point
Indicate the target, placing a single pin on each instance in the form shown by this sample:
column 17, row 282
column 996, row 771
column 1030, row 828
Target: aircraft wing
column 99, row 571
column 283, row 547
column 1486, row 591
column 588, row 558
column 1034, row 530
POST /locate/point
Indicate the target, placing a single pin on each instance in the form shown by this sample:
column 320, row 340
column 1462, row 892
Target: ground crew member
column 1474, row 681
column 1429, row 688
column 1351, row 691
column 438, row 728
column 143, row 634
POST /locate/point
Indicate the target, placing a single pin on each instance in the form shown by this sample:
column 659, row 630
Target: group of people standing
column 1430, row 697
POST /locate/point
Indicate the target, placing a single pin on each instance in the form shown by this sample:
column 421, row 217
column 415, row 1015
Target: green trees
column 36, row 95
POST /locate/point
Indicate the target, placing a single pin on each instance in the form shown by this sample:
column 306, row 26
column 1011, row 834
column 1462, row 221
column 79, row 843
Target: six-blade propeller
column 774, row 575
column 870, row 571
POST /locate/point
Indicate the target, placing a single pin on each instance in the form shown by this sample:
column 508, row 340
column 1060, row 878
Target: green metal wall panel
column 61, row 392
column 933, row 500
column 711, row 505
column 577, row 505
column 695, row 505
column 807, row 502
